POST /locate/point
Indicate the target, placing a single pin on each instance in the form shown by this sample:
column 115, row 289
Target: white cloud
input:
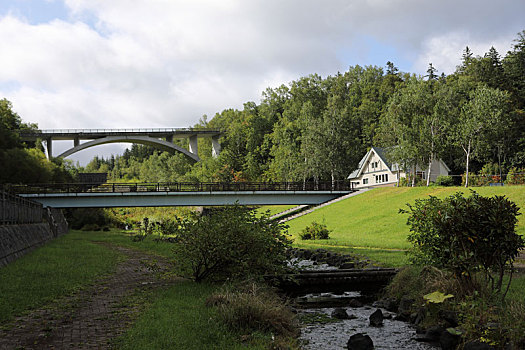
column 445, row 52
column 165, row 63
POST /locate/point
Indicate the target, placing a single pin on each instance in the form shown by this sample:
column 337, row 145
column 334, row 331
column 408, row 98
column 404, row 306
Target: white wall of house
column 376, row 173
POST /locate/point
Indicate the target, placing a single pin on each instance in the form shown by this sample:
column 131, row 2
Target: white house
column 374, row 170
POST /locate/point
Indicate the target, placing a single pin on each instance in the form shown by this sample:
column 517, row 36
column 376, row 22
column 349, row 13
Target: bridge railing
column 111, row 131
column 179, row 187
column 17, row 210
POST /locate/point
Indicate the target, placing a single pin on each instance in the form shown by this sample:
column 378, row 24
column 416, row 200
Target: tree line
column 318, row 129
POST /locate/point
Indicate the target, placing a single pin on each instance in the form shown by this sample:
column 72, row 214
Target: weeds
column 253, row 308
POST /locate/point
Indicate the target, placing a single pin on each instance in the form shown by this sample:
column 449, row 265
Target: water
column 310, row 265
column 334, row 335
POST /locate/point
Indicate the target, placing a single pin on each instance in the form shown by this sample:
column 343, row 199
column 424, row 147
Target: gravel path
column 91, row 318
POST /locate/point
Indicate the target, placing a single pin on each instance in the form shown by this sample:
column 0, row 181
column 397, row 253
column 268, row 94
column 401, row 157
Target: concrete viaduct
column 160, row 138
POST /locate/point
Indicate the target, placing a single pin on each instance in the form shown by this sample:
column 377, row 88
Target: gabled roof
column 381, row 153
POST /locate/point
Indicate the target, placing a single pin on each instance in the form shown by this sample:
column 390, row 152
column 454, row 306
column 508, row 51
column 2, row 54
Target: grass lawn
column 371, row 221
column 275, row 209
column 56, row 269
column 179, row 319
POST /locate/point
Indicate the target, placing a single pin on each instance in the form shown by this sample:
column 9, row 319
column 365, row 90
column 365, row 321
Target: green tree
column 482, row 122
column 466, row 235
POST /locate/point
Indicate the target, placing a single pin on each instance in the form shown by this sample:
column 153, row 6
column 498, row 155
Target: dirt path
column 89, row 319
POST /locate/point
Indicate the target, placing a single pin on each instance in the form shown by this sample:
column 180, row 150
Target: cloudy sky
column 165, row 63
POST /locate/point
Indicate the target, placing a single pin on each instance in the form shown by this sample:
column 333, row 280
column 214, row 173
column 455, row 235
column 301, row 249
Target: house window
column 376, row 165
column 365, row 181
column 386, row 177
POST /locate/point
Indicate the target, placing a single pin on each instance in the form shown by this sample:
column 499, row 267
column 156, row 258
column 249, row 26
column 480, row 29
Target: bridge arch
column 143, row 140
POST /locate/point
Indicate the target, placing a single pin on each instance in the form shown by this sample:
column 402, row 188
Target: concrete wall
column 17, row 240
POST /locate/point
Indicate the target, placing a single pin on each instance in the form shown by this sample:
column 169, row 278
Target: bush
column 252, row 308
column 91, row 227
column 315, row 231
column 231, row 242
column 466, row 235
column 444, row 180
column 515, row 176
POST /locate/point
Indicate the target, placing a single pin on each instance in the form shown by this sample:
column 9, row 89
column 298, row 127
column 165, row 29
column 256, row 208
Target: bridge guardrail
column 17, row 210
column 179, row 187
column 110, row 131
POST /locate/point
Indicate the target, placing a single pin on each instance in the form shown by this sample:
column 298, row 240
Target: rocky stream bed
column 348, row 319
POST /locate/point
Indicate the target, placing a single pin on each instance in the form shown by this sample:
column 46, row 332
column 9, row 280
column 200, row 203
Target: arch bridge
column 160, row 138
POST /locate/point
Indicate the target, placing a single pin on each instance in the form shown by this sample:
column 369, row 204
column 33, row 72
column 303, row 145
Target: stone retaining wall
column 17, row 240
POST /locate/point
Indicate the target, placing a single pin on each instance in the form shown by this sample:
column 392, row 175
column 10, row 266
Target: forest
column 318, row 128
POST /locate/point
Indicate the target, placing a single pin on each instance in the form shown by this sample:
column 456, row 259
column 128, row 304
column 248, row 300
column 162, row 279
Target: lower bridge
column 84, row 195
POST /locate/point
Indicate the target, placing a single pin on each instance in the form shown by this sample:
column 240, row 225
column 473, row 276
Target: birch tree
column 480, row 121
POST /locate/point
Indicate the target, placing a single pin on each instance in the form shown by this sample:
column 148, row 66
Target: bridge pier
column 49, row 148
column 193, row 145
column 215, row 146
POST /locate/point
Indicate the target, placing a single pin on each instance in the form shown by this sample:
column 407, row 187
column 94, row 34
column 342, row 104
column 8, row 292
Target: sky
column 69, row 64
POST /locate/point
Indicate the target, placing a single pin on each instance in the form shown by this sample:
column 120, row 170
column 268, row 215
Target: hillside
column 372, row 219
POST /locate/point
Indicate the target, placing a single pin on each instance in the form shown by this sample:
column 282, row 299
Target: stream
column 321, row 331
column 333, row 333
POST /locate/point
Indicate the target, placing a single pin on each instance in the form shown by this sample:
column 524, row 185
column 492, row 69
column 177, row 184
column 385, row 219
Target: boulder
column 340, row 313
column 419, row 316
column 449, row 341
column 355, row 303
column 450, row 317
column 360, row 341
column 432, row 335
column 389, row 304
column 347, row 265
column 405, row 305
column 376, row 319
column 307, row 254
column 477, row 345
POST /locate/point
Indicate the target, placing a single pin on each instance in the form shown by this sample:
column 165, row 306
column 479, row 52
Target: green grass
column 382, row 257
column 51, row 271
column 179, row 319
column 123, row 238
column 516, row 289
column 274, row 209
column 372, row 219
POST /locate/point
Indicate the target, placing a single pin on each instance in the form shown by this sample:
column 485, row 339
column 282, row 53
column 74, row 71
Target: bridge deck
column 180, row 194
column 91, row 134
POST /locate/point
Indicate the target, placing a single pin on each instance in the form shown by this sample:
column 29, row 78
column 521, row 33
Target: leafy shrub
column 80, row 217
column 91, row 227
column 444, row 180
column 515, row 176
column 466, row 235
column 315, row 231
column 252, row 308
column 231, row 242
